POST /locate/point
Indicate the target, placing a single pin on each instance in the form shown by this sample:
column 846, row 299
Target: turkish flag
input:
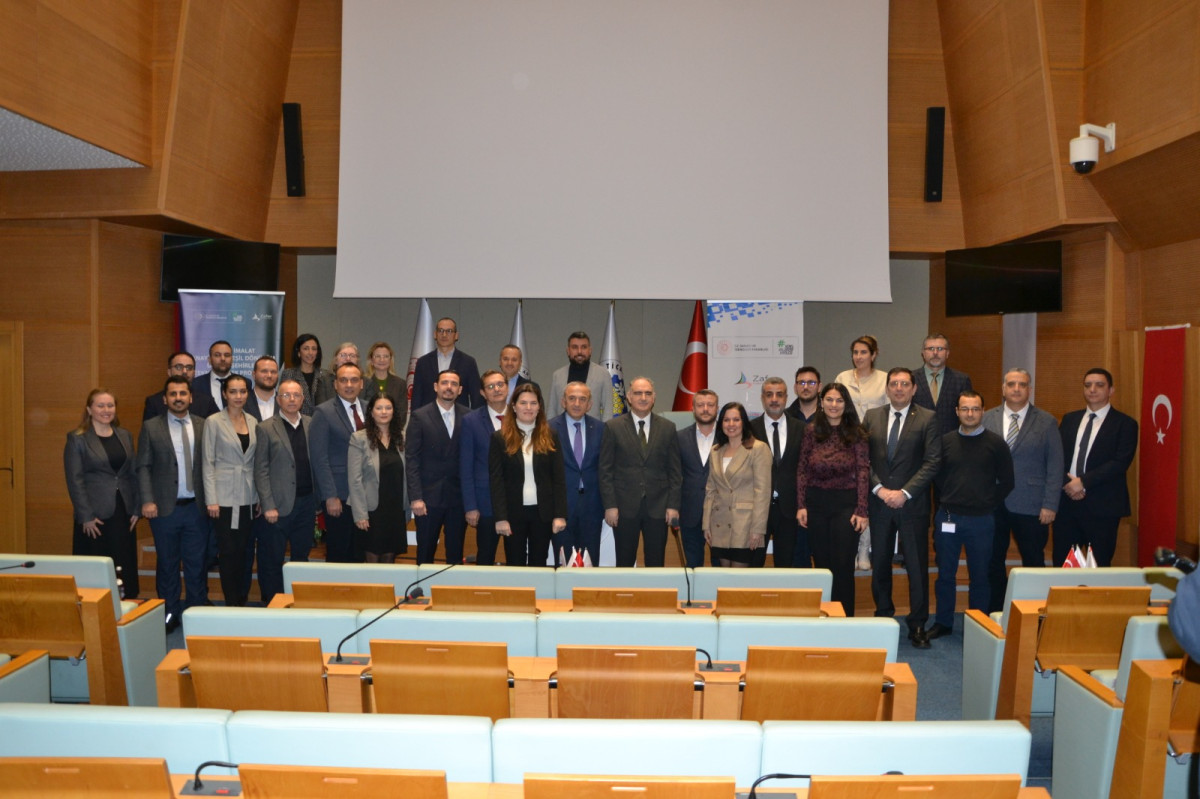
column 693, row 375
column 1161, row 428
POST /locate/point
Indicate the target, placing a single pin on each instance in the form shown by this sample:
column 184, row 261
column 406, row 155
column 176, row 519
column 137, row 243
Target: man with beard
column 695, row 443
column 431, row 454
column 580, row 369
column 261, row 404
column 179, row 364
column 808, row 386
column 206, row 388
column 782, row 434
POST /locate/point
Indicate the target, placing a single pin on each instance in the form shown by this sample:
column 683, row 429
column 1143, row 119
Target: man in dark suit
column 446, row 357
column 180, row 364
column 206, row 388
column 905, row 451
column 333, row 422
column 1032, row 438
column 431, row 455
column 173, row 498
column 1098, row 453
column 474, row 443
column 695, row 444
column 286, row 490
column 782, row 433
column 808, row 386
column 511, row 359
column 937, row 385
column 262, row 403
column 581, row 436
column 640, row 478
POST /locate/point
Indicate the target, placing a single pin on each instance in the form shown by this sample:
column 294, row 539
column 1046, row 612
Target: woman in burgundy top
column 831, row 488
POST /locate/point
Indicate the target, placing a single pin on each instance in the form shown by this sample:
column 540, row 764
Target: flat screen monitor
column 193, row 262
column 1010, row 278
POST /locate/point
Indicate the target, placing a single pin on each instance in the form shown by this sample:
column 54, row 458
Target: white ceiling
column 28, row 146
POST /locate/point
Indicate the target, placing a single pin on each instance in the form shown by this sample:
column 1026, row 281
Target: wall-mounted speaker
column 293, row 150
column 935, row 137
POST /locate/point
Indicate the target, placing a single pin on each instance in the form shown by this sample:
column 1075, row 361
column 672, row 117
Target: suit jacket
column 202, row 406
column 628, row 473
column 228, row 471
column 918, row 456
column 951, row 385
column 737, row 499
column 694, row 478
column 328, row 443
column 783, row 475
column 598, row 380
column 91, row 482
column 473, row 471
column 158, row 468
column 322, row 388
column 587, row 473
column 425, row 376
column 252, row 406
column 431, row 457
column 202, row 396
column 1112, row 452
column 396, row 388
column 275, row 464
column 362, row 468
column 508, row 481
column 1037, row 459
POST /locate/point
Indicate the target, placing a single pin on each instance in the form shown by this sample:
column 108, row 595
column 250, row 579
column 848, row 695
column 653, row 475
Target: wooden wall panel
column 975, row 341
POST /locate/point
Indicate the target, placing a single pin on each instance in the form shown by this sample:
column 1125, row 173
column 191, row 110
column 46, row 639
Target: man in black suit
column 261, row 404
column 640, row 478
column 511, row 359
column 808, row 386
column 431, row 454
column 446, row 357
column 179, row 364
column 333, row 422
column 1098, row 453
column 905, row 451
column 206, row 388
column 695, row 443
column 937, row 385
column 782, row 433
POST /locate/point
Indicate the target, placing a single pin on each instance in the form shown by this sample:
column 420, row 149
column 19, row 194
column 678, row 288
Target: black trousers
column 529, row 543
column 1031, row 537
column 429, row 529
column 343, row 544
column 486, row 541
column 231, row 546
column 833, row 540
column 115, row 541
column 652, row 532
column 913, row 531
column 1073, row 527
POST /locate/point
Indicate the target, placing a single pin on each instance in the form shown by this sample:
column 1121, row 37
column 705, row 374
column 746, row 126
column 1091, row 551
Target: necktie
column 1083, row 445
column 187, row 454
column 1013, row 429
column 358, row 422
column 893, row 437
column 933, row 387
column 578, row 447
column 775, row 440
column 642, row 433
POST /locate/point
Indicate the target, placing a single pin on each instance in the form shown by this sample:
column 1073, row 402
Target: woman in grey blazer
column 305, row 369
column 101, row 480
column 229, row 443
column 375, row 471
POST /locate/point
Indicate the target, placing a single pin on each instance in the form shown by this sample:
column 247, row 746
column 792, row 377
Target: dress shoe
column 937, row 631
column 172, row 624
column 919, row 638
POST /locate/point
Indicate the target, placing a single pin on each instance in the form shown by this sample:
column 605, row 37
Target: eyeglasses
column 494, row 386
column 445, row 331
column 291, row 395
column 182, row 367
column 808, row 382
column 937, row 349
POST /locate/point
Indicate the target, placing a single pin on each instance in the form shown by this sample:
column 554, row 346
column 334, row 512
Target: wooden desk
column 1162, row 705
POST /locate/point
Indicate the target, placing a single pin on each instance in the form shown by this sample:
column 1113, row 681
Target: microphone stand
column 409, row 595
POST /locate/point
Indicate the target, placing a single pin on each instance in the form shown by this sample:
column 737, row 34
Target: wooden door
column 12, row 438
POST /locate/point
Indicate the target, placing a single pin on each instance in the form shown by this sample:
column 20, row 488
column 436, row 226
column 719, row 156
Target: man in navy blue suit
column 206, row 388
column 695, row 443
column 446, row 357
column 937, row 385
column 477, row 429
column 431, row 467
column 261, row 404
column 1098, row 445
column 180, row 364
column 580, row 436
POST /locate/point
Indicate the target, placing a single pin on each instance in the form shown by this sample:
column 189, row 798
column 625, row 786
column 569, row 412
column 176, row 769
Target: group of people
column 233, row 468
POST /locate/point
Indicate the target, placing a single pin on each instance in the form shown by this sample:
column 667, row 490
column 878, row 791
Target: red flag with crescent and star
column 1161, row 425
column 693, row 375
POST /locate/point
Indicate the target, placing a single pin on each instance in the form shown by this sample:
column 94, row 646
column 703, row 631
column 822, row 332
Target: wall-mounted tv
column 1009, row 278
column 193, row 262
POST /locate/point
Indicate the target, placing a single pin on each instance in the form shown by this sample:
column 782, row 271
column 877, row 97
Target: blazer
column 918, row 456
column 202, row 396
column 431, row 457
column 396, row 388
column 694, row 478
column 1037, row 459
column 252, row 406
column 425, row 375
column 598, row 380
column 362, row 469
column 202, row 406
column 508, row 481
column 275, row 464
column 228, row 471
column 737, row 499
column 158, row 468
column 585, row 474
column 328, row 443
column 783, row 474
column 627, row 473
column 91, row 482
column 322, row 388
column 474, row 475
column 1112, row 452
column 953, row 383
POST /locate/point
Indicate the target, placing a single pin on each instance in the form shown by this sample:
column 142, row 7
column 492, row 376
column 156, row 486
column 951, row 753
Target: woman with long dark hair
column 229, row 444
column 831, row 488
column 737, row 498
column 305, row 369
column 375, row 470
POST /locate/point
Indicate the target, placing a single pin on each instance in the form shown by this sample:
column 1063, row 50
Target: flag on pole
column 693, row 375
column 1075, row 559
column 610, row 359
column 517, row 339
column 1159, row 448
column 422, row 342
column 1090, row 561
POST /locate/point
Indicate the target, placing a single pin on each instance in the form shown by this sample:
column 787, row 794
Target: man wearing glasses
column 808, row 386
column 938, row 386
column 446, row 357
column 180, row 364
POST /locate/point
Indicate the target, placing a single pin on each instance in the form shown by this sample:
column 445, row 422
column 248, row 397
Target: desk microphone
column 683, row 559
column 29, row 564
column 409, row 595
column 197, row 786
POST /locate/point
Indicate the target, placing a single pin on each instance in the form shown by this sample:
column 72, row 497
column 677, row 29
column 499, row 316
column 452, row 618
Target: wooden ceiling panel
column 1109, row 24
column 1155, row 196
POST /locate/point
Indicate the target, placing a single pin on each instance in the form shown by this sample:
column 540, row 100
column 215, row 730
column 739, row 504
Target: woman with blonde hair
column 380, row 378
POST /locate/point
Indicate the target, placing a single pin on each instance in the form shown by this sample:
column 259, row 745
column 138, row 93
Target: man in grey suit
column 640, row 478
column 333, row 422
column 286, row 490
column 905, row 452
column 580, row 369
column 170, row 481
column 695, row 444
column 937, row 385
column 1036, row 447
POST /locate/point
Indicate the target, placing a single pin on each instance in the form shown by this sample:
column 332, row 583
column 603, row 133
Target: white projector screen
column 651, row 149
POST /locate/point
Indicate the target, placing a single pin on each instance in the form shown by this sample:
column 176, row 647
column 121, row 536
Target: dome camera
column 1085, row 149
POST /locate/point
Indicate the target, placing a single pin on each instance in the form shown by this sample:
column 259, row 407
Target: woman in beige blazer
column 229, row 443
column 737, row 497
column 375, row 472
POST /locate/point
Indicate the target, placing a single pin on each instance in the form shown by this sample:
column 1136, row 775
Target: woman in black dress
column 375, row 469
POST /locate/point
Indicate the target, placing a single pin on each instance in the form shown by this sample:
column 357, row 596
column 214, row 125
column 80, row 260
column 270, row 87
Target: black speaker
column 935, row 136
column 293, row 150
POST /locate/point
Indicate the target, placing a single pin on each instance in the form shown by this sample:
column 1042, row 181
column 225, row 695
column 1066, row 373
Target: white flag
column 517, row 339
column 610, row 359
column 422, row 342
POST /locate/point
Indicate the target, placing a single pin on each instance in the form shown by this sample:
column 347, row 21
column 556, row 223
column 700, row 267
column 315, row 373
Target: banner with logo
column 1161, row 428
column 749, row 342
column 251, row 321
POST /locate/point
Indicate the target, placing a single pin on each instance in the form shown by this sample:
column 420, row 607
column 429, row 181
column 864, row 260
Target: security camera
column 1085, row 149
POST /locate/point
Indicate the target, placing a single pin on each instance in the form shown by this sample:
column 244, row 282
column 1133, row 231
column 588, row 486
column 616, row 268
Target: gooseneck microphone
column 29, row 564
column 409, row 595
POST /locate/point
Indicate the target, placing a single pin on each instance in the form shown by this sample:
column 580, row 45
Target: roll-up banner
column 251, row 321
